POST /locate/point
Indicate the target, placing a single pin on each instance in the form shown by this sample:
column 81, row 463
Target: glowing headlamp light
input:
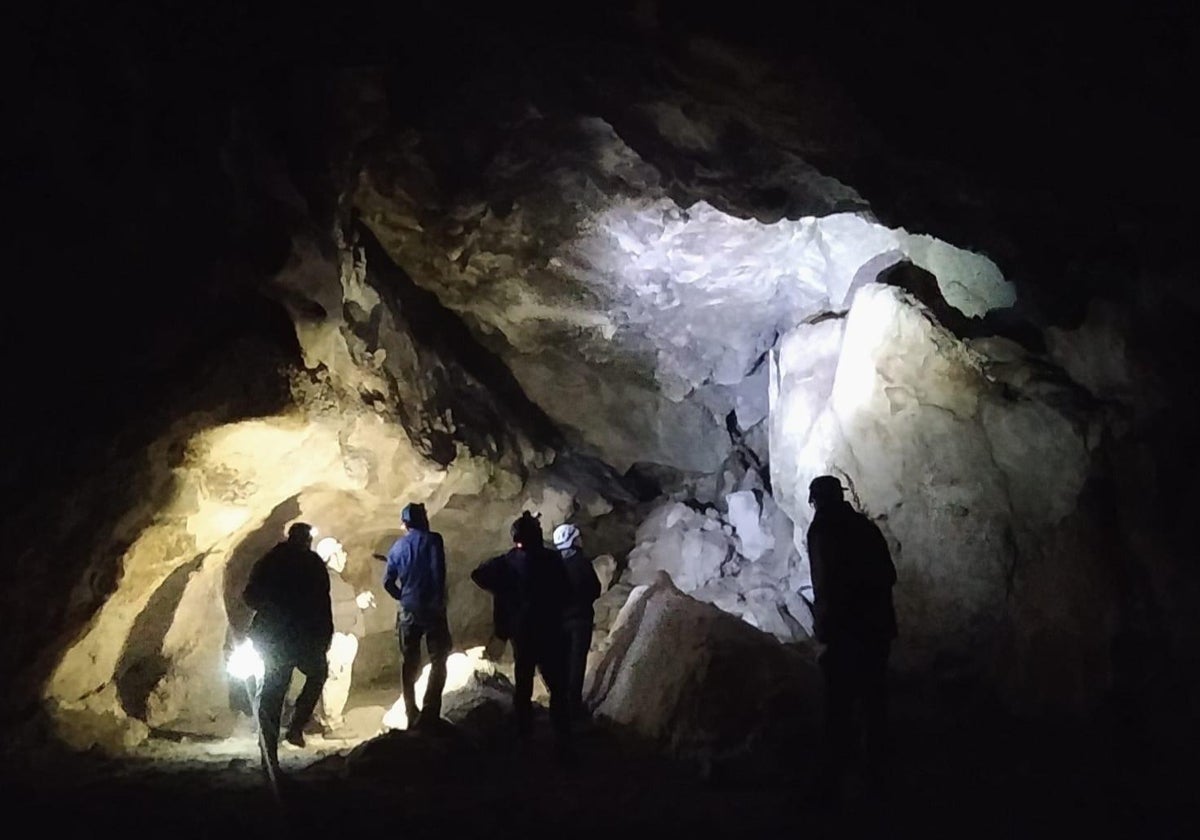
column 245, row 662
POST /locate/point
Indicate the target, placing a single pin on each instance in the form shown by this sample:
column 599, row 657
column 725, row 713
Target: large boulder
column 703, row 684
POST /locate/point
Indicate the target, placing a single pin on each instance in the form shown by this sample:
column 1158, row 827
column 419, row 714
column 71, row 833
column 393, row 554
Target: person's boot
column 295, row 737
column 411, row 713
column 431, row 713
column 270, row 764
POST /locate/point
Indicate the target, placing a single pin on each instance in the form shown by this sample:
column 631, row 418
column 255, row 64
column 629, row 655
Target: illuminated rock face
column 743, row 560
column 702, row 683
column 154, row 655
column 972, row 464
column 471, row 682
column 631, row 320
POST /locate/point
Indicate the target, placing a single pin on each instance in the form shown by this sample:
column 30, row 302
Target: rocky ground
column 956, row 769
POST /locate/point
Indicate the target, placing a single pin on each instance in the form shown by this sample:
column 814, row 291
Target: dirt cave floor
column 952, row 771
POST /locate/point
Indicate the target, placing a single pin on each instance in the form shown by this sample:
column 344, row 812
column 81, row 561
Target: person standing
column 349, row 625
column 530, row 587
column 853, row 576
column 416, row 577
column 288, row 590
column 579, row 614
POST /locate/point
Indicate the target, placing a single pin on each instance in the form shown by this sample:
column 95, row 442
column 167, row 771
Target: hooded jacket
column 416, row 572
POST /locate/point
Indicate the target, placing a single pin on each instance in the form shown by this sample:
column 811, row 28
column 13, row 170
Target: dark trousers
column 578, row 641
column 277, row 676
column 855, row 682
column 544, row 651
column 411, row 629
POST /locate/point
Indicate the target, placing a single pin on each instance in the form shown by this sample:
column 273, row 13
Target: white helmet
column 328, row 547
column 565, row 536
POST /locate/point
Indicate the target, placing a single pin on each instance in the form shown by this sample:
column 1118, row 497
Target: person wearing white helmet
column 579, row 615
column 349, row 626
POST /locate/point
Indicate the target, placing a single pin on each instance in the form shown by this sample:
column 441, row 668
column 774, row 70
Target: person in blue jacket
column 416, row 578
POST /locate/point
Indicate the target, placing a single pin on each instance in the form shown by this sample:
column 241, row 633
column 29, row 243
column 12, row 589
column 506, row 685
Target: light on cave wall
column 460, row 668
column 856, row 381
column 711, row 291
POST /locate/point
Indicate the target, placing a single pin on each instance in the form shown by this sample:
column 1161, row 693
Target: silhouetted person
column 578, row 615
column 530, row 586
column 853, row 575
column 416, row 577
column 292, row 627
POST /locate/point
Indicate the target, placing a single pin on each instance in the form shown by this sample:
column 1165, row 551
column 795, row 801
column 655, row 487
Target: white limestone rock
column 744, row 513
column 686, row 544
column 704, row 554
column 670, row 669
column 963, row 477
column 621, row 313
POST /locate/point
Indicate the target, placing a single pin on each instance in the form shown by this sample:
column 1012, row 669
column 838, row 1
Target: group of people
column 307, row 618
column 542, row 604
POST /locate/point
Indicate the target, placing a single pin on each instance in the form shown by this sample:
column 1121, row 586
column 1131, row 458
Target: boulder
column 704, row 685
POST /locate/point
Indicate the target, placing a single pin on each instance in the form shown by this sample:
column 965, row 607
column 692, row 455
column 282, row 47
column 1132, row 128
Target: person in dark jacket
column 530, row 586
column 292, row 627
column 579, row 614
column 853, row 575
column 416, row 577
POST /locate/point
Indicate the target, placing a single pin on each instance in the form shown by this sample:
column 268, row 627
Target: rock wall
column 973, row 457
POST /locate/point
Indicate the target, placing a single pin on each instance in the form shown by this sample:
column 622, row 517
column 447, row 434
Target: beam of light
column 459, row 669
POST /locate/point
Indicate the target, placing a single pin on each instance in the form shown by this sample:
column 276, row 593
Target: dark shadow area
column 141, row 664
column 923, row 285
column 453, row 374
column 957, row 766
column 111, row 481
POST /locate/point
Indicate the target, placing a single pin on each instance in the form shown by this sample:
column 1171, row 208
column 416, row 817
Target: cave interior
column 647, row 267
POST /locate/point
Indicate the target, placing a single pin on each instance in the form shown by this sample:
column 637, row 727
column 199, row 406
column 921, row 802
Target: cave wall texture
column 651, row 266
